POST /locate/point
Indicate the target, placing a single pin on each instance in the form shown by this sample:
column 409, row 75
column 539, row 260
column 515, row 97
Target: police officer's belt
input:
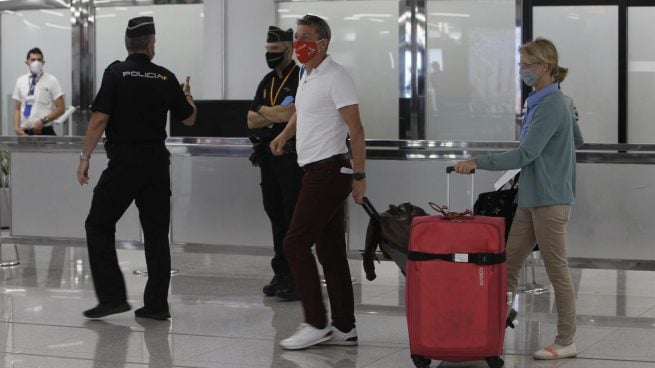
column 136, row 151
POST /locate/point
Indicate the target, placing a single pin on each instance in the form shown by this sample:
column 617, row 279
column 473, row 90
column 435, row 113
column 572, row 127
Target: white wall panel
column 641, row 75
column 587, row 40
column 217, row 200
column 247, row 24
column 179, row 46
column 47, row 200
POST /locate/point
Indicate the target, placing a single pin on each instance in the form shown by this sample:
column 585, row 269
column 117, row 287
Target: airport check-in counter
column 217, row 200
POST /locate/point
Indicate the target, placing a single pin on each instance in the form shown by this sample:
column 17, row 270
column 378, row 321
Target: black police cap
column 140, row 26
column 276, row 34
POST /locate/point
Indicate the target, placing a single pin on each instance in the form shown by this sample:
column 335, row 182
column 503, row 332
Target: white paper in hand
column 67, row 114
column 28, row 123
column 507, row 176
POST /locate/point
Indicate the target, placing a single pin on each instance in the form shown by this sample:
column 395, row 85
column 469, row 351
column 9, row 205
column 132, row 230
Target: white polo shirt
column 320, row 130
column 46, row 91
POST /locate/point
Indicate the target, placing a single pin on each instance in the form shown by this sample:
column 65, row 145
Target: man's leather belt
column 331, row 159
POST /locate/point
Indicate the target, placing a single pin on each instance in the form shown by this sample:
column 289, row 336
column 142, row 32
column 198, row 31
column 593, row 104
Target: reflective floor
column 220, row 318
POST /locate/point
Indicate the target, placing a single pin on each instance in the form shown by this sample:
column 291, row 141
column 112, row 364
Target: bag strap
column 370, row 210
column 516, row 180
column 450, row 215
column 476, row 258
column 369, row 255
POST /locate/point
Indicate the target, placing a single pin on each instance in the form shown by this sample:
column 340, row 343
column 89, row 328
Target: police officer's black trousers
column 148, row 184
column 281, row 181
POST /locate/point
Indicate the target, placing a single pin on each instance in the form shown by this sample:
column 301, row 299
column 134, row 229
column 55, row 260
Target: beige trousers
column 545, row 226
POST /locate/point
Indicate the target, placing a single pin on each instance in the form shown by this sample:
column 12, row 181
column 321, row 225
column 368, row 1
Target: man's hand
column 465, row 167
column 186, row 87
column 83, row 172
column 359, row 190
column 94, row 130
column 20, row 131
column 277, row 145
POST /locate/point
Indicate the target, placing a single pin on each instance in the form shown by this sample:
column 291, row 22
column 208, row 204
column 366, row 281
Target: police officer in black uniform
column 131, row 108
column 281, row 176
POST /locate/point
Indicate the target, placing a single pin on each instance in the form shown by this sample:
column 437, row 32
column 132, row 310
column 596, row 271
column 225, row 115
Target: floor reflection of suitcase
column 456, row 290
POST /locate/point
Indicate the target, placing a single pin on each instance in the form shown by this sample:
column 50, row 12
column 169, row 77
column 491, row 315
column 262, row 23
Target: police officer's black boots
column 106, row 309
column 273, row 286
column 287, row 290
column 144, row 312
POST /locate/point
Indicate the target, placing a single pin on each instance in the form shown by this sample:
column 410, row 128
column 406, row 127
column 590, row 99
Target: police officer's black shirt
column 137, row 95
column 282, row 88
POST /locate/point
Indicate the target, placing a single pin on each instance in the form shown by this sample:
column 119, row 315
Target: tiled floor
column 220, row 319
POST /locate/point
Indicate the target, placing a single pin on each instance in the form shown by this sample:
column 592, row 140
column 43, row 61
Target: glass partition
column 641, row 75
column 365, row 42
column 471, row 85
column 47, row 29
column 593, row 29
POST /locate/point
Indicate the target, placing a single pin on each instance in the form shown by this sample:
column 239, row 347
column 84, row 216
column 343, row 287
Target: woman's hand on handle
column 466, row 166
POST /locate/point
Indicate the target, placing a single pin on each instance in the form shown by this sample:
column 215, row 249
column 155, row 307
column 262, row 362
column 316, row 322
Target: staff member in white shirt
column 327, row 112
column 39, row 98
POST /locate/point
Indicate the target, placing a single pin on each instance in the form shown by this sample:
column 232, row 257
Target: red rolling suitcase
column 456, row 291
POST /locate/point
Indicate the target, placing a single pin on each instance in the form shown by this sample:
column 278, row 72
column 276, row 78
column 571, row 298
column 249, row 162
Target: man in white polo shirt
column 39, row 98
column 326, row 113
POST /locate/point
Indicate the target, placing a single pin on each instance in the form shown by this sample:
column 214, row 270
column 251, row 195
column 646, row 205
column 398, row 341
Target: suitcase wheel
column 421, row 362
column 495, row 362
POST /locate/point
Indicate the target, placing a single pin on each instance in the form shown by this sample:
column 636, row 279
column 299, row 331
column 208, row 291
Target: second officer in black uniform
column 131, row 108
column 281, row 176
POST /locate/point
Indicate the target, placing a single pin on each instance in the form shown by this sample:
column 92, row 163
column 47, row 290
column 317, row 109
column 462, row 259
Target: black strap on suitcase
column 475, row 258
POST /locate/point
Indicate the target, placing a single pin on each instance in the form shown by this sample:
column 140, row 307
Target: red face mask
column 305, row 50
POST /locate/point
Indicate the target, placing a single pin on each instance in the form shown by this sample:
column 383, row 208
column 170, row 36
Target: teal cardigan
column 546, row 156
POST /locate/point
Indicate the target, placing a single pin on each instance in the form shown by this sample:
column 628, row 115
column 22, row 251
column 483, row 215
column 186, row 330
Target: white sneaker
column 306, row 336
column 555, row 351
column 342, row 338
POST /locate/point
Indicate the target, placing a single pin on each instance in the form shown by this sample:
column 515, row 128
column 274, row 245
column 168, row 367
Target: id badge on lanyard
column 29, row 101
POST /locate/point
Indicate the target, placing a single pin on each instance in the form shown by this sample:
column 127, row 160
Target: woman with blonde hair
column 546, row 156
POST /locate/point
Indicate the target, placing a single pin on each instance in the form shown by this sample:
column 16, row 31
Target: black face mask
column 274, row 59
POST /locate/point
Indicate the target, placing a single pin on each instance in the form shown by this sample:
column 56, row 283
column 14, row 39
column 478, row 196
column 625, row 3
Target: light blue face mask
column 528, row 77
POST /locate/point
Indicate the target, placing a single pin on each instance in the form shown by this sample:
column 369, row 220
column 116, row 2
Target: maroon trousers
column 318, row 218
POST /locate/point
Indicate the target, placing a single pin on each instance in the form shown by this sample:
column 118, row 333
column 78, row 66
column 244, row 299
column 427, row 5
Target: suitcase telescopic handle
column 449, row 170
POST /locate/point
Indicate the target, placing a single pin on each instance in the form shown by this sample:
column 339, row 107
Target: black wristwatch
column 359, row 176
